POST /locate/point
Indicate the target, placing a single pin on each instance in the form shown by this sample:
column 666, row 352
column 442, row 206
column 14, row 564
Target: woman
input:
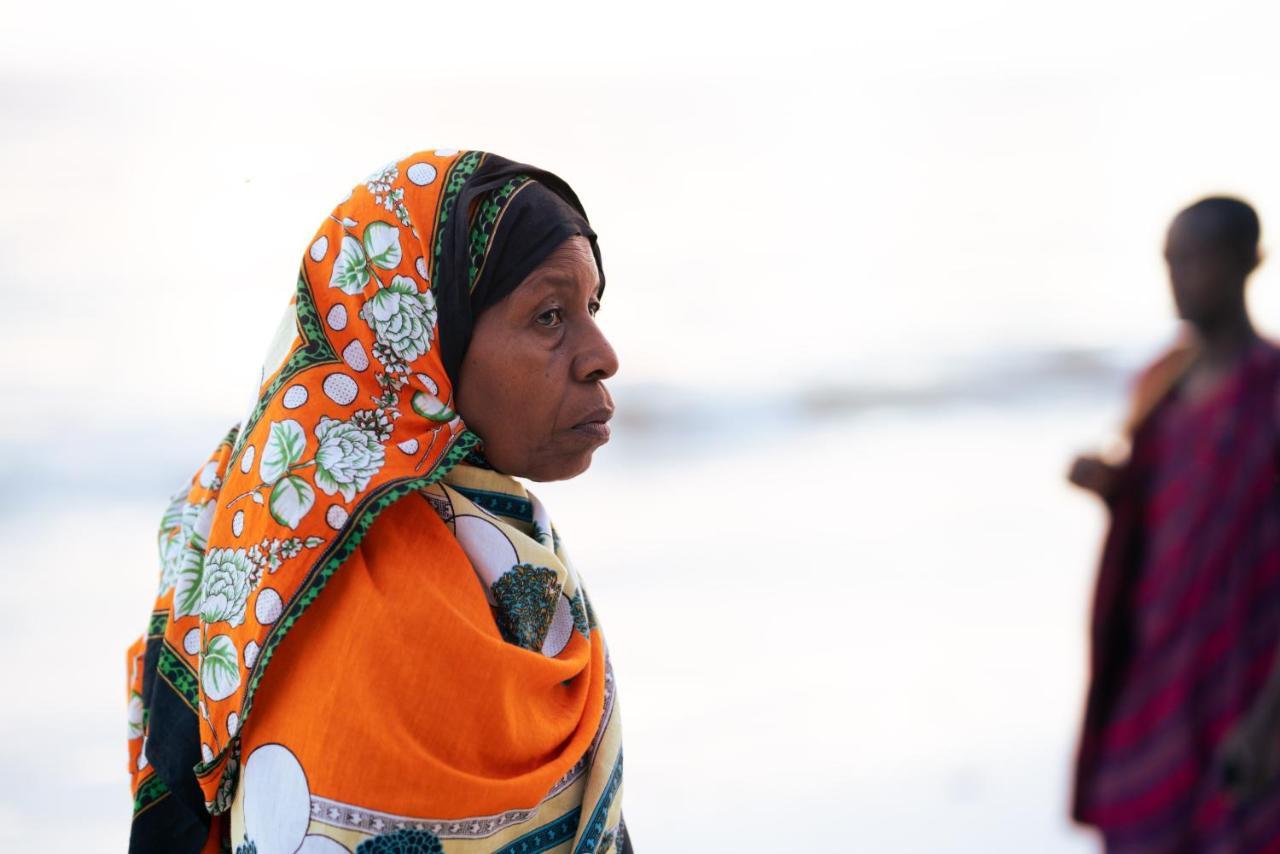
column 368, row 636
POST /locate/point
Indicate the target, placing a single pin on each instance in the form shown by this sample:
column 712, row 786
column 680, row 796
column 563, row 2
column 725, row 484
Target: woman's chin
column 564, row 467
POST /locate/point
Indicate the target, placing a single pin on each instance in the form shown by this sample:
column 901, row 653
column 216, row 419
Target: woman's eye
column 593, row 308
column 551, row 317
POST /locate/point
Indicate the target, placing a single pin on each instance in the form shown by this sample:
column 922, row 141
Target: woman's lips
column 595, row 424
column 594, row 429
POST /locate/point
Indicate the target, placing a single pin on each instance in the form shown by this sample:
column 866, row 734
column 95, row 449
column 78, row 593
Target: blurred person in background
column 438, row 680
column 1182, row 719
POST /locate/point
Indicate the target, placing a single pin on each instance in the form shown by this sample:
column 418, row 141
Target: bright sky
column 783, row 194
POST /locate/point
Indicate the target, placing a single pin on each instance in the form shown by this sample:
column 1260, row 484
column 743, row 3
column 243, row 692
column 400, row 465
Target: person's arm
column 1095, row 475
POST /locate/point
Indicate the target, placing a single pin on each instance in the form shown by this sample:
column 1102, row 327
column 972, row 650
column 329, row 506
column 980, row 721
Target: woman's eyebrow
column 560, row 280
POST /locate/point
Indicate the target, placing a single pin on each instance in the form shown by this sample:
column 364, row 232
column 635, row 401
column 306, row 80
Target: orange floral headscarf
column 354, row 412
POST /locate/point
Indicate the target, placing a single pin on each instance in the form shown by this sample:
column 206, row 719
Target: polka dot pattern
column 294, row 396
column 337, row 318
column 421, row 174
column 355, row 356
column 277, row 801
column 340, row 388
column 268, row 606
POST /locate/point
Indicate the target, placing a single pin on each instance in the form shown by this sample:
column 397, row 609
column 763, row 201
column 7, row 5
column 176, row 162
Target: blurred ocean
column 835, row 609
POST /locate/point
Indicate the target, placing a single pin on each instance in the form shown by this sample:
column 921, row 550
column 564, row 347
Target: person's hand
column 1249, row 757
column 1094, row 474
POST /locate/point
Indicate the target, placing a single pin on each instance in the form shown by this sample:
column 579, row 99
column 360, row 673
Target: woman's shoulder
column 409, row 545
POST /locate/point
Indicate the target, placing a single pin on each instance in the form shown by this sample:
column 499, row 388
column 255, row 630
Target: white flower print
column 229, row 576
column 347, row 459
column 402, row 318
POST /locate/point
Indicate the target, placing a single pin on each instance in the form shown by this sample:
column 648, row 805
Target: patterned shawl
column 1186, row 613
column 353, row 417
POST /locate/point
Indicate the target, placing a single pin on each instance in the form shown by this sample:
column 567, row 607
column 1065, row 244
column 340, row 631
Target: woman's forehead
column 572, row 266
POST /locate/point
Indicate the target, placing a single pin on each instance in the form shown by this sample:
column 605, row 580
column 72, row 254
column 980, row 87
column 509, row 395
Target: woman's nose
column 595, row 361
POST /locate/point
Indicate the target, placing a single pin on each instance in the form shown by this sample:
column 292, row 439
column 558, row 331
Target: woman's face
column 532, row 381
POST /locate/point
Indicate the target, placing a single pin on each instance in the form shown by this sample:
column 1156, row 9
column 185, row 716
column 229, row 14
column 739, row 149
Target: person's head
column 532, row 380
column 1211, row 248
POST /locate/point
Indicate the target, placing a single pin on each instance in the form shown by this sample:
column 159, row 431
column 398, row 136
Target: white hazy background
column 874, row 277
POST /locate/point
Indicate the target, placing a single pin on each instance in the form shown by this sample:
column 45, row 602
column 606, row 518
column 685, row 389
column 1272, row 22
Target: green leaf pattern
column 379, row 247
column 172, row 542
column 135, row 715
column 186, row 571
column 285, row 444
column 382, row 244
column 183, row 530
column 351, row 271
column 430, row 407
column 186, row 595
column 219, row 668
column 291, row 499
